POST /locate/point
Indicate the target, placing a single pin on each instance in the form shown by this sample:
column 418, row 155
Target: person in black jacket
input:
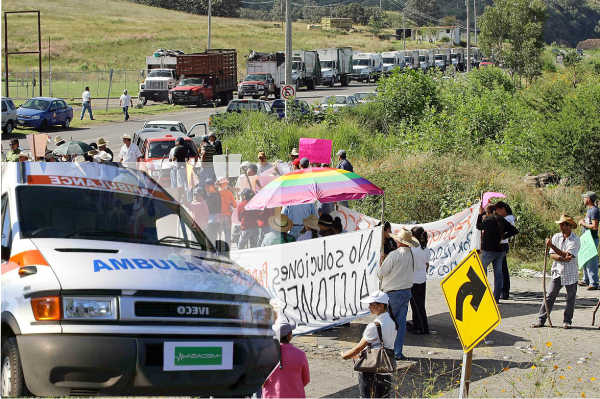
column 494, row 229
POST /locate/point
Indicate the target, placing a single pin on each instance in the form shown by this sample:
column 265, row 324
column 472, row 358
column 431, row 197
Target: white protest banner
column 220, row 165
column 318, row 283
column 450, row 239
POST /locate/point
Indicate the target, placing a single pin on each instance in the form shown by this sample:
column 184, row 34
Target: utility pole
column 468, row 61
column 475, row 20
column 404, row 30
column 380, row 5
column 209, row 15
column 288, row 42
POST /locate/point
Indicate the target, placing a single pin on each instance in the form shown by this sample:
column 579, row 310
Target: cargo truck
column 392, row 60
column 415, row 59
column 207, row 76
column 336, row 65
column 442, row 59
column 306, row 69
column 458, row 58
column 265, row 75
column 161, row 76
column 426, row 58
column 366, row 67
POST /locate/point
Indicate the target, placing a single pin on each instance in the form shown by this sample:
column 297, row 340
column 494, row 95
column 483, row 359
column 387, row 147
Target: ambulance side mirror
column 5, row 254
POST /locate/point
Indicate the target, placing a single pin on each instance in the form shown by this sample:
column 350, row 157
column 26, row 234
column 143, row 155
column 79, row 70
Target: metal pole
column 98, row 85
column 288, row 47
column 26, row 81
column 468, row 61
column 209, row 21
column 50, row 66
column 465, row 377
column 404, row 30
column 6, row 55
column 475, row 19
column 109, row 87
column 40, row 49
column 67, row 78
column 125, row 70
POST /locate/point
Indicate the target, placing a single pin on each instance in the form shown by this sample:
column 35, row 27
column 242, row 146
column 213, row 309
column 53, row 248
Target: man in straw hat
column 396, row 274
column 102, row 147
column 311, row 225
column 281, row 225
column 58, row 141
column 564, row 247
column 130, row 152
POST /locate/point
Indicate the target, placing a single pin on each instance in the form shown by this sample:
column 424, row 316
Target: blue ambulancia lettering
column 137, row 264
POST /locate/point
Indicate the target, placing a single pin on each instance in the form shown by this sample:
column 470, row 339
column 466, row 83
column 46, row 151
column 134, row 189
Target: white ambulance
column 108, row 288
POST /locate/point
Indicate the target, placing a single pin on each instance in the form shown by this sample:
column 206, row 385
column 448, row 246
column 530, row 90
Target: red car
column 485, row 62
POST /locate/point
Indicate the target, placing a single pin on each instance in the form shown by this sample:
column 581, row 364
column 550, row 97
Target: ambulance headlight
column 252, row 313
column 92, row 308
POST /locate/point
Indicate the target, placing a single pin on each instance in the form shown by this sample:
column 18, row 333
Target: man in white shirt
column 129, row 152
column 396, row 274
column 86, row 98
column 125, row 101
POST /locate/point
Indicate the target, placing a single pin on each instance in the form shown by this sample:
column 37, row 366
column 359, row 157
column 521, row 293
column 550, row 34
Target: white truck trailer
column 336, row 65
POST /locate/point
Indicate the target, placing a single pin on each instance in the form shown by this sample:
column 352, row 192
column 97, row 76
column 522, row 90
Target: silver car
column 9, row 115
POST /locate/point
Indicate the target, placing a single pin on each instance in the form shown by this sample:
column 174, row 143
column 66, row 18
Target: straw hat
column 93, row 152
column 101, row 141
column 567, row 218
column 311, row 222
column 281, row 223
column 79, row 158
column 406, row 238
column 104, row 156
column 58, row 139
column 126, row 136
column 294, row 151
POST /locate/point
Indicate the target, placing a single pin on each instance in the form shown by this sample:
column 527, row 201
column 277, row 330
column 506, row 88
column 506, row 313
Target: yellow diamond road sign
column 471, row 302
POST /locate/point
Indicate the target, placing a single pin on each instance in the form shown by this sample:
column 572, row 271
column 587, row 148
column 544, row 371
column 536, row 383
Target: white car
column 176, row 126
column 9, row 115
column 365, row 96
column 336, row 102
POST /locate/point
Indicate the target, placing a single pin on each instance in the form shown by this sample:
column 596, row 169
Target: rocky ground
column 517, row 361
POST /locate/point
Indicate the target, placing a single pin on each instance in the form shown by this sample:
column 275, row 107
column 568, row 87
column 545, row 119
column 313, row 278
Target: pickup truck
column 257, row 85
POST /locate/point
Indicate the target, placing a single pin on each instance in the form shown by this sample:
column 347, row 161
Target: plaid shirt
column 567, row 271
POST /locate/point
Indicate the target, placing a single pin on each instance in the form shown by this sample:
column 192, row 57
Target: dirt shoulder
column 511, row 366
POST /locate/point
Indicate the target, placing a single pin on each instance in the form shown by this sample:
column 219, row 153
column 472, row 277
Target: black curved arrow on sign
column 475, row 287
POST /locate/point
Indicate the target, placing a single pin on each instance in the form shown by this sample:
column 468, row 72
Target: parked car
column 9, row 115
column 243, row 105
column 365, row 96
column 176, row 126
column 299, row 108
column 336, row 102
column 42, row 112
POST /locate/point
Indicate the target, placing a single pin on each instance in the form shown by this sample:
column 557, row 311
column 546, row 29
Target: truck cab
column 458, row 58
column 366, row 66
column 193, row 91
column 110, row 289
column 157, row 84
column 392, row 60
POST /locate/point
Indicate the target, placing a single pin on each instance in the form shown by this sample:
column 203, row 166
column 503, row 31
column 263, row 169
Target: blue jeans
column 208, row 172
column 248, row 238
column 495, row 258
column 173, row 175
column 125, row 111
column 86, row 105
column 399, row 302
column 590, row 269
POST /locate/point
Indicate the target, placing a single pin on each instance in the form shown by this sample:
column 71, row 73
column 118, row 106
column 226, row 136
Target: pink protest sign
column 487, row 196
column 316, row 150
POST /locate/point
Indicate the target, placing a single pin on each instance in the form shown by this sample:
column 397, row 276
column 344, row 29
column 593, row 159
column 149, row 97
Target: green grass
column 117, row 34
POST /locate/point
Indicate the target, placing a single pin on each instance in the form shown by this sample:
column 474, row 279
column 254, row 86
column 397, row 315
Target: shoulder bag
column 379, row 360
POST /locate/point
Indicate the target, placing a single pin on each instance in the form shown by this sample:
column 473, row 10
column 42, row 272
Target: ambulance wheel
column 13, row 382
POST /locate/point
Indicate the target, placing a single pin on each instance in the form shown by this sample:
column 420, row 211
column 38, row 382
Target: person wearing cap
column 14, row 153
column 295, row 164
column 248, row 221
column 376, row 385
column 213, row 202
column 592, row 215
column 292, row 375
column 495, row 229
column 86, row 102
column 262, row 165
column 58, row 141
column 102, row 147
column 343, row 162
column 304, row 163
column 212, row 137
column 130, row 152
column 117, row 219
column 125, row 101
column 227, row 204
column 280, row 225
column 397, row 273
column 207, row 152
column 297, row 213
column 311, row 228
column 564, row 247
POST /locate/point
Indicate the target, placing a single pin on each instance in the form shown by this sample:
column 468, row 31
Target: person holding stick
column 564, row 247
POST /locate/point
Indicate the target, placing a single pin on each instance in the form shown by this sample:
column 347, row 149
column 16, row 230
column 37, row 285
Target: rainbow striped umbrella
column 309, row 185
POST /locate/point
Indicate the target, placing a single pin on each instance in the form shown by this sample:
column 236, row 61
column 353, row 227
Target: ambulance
column 109, row 288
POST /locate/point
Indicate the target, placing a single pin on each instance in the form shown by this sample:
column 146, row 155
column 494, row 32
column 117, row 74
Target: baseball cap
column 245, row 192
column 179, row 140
column 591, row 195
column 283, row 328
column 209, row 182
column 304, row 162
column 198, row 191
column 296, row 162
column 205, row 138
column 212, row 134
column 341, row 153
column 376, row 296
column 261, row 154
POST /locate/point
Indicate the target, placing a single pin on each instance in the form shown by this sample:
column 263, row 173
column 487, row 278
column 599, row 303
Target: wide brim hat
column 101, row 141
column 295, row 151
column 222, row 179
column 58, row 139
column 311, row 222
column 406, row 238
column 126, row 136
column 79, row 158
column 93, row 152
column 568, row 219
column 105, row 156
column 281, row 223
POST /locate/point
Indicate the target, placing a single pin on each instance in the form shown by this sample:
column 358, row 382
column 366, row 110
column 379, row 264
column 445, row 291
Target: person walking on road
column 419, row 288
column 504, row 210
column 125, row 101
column 292, row 375
column 564, row 247
column 86, row 98
column 397, row 274
column 376, row 385
column 590, row 269
column 130, row 152
column 495, row 229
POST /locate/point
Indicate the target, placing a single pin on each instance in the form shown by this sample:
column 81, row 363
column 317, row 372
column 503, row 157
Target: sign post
column 473, row 308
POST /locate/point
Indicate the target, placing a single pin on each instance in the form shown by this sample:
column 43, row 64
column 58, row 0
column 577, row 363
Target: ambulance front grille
column 189, row 310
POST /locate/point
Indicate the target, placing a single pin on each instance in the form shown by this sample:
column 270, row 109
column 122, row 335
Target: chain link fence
column 69, row 85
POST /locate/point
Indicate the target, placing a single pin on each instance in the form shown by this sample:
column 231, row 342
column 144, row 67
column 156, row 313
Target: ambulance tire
column 12, row 370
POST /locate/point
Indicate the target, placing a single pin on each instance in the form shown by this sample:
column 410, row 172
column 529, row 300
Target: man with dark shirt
column 495, row 229
column 216, row 143
column 102, row 147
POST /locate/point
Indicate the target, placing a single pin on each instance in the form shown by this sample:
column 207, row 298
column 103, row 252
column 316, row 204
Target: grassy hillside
column 117, row 34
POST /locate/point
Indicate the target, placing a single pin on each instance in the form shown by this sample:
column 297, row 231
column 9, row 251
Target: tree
column 450, row 20
column 422, row 11
column 512, row 34
column 375, row 26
